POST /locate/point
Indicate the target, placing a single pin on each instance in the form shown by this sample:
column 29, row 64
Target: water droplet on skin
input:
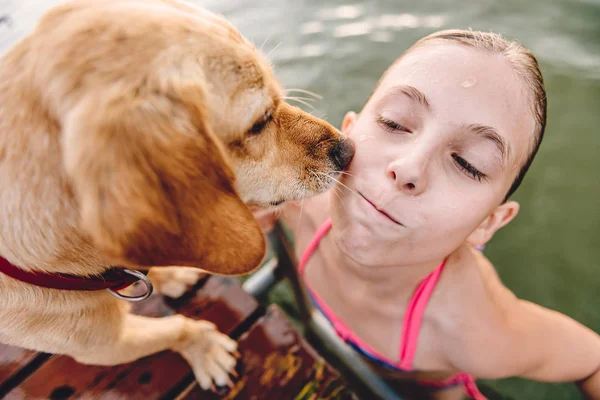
column 469, row 82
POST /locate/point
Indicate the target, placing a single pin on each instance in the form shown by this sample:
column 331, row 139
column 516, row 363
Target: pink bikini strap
column 468, row 384
column 471, row 387
column 342, row 330
column 413, row 316
column 414, row 313
column 465, row 380
column 322, row 231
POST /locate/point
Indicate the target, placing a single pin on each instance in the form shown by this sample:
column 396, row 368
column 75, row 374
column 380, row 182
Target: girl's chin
column 355, row 246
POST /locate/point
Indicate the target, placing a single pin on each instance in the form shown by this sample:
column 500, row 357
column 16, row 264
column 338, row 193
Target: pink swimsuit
column 410, row 325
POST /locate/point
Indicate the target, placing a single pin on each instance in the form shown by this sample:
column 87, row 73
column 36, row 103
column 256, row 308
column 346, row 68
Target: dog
column 137, row 133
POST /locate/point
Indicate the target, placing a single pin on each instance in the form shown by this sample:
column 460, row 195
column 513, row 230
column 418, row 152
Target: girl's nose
column 409, row 172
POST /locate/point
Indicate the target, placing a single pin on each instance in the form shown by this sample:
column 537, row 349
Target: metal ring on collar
column 144, row 279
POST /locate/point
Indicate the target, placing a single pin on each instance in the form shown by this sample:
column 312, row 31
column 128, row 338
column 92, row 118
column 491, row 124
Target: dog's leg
column 199, row 342
column 174, row 281
column 98, row 329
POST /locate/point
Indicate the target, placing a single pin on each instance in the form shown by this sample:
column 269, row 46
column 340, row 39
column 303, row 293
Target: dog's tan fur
column 131, row 134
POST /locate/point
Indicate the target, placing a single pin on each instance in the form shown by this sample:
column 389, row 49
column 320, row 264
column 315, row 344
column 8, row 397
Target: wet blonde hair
column 523, row 63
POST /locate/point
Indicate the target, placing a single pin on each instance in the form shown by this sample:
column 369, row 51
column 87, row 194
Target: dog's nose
column 342, row 153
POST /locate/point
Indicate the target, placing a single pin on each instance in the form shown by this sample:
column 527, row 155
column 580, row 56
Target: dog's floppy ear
column 154, row 187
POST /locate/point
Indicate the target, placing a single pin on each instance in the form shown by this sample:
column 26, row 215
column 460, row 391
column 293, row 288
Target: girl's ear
column 498, row 218
column 348, row 122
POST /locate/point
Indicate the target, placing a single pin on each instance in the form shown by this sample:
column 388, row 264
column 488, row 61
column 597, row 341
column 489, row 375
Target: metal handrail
column 283, row 265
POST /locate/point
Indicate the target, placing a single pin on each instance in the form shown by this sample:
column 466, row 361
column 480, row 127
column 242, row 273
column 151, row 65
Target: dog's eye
column 260, row 125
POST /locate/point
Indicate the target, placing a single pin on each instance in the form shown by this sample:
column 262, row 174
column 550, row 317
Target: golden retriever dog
column 136, row 133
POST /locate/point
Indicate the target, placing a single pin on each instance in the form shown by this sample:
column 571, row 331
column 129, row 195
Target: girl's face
column 437, row 147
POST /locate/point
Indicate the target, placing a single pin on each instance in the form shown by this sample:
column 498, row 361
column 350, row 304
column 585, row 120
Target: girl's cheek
column 361, row 157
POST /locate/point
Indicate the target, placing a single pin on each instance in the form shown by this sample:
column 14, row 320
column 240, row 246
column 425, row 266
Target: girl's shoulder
column 470, row 304
column 469, row 276
column 471, row 284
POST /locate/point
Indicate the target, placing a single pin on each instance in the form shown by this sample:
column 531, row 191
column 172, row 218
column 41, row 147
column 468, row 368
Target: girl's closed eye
column 391, row 126
column 468, row 168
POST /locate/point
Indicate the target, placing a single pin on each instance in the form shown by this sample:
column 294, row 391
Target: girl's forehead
column 458, row 72
column 464, row 86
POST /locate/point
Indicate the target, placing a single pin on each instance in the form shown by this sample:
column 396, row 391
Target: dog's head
column 278, row 152
column 172, row 123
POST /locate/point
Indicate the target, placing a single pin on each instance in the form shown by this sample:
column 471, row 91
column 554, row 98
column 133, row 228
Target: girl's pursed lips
column 382, row 211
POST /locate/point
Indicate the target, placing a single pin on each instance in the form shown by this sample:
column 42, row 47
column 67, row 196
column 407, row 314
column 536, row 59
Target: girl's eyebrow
column 410, row 92
column 486, row 132
column 489, row 133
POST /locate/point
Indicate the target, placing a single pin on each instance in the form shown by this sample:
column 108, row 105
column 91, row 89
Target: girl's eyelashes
column 390, row 125
column 468, row 169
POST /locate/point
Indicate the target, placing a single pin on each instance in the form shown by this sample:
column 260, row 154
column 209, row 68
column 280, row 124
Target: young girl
column 390, row 256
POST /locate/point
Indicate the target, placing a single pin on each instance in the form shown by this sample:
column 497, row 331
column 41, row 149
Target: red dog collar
column 113, row 280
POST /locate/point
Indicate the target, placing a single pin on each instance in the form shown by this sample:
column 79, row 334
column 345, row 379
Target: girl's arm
column 532, row 342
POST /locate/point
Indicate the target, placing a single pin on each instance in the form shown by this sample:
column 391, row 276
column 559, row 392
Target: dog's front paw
column 209, row 352
column 174, row 281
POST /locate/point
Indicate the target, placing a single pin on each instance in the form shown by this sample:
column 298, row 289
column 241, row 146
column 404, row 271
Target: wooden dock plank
column 220, row 300
column 12, row 359
column 17, row 363
column 277, row 363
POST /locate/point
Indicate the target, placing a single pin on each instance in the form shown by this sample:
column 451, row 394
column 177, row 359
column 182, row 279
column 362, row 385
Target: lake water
column 550, row 254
